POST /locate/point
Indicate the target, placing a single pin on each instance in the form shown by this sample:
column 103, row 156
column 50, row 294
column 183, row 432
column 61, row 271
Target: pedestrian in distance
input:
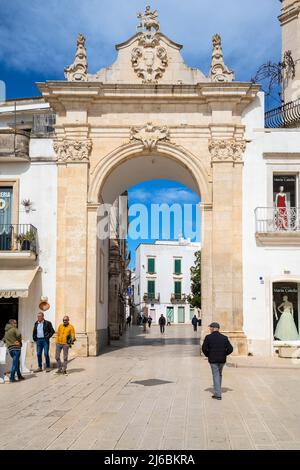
column 162, row 322
column 42, row 332
column 216, row 347
column 128, row 320
column 13, row 342
column 195, row 322
column 149, row 321
column 64, row 341
column 144, row 321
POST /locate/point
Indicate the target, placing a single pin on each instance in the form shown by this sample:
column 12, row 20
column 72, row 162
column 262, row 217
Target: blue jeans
column 217, row 378
column 42, row 344
column 15, row 368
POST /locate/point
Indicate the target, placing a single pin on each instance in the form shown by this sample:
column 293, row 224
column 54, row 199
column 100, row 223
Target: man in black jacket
column 42, row 332
column 216, row 347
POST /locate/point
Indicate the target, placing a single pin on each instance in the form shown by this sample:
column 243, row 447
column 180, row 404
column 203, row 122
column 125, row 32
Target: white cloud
column 163, row 196
column 41, row 36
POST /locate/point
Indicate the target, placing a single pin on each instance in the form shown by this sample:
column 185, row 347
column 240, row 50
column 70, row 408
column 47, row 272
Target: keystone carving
column 149, row 135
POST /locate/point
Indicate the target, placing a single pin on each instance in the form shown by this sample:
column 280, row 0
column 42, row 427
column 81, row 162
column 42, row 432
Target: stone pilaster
column 72, row 235
column 226, row 161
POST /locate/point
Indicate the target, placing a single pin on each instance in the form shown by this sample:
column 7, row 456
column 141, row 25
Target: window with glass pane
column 151, row 289
column 177, row 266
column 6, row 194
column 151, row 265
column 177, row 288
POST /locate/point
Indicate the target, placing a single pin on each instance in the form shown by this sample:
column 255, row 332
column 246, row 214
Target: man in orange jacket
column 64, row 340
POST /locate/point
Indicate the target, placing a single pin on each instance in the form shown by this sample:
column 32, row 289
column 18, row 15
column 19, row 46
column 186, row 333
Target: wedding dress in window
column 286, row 329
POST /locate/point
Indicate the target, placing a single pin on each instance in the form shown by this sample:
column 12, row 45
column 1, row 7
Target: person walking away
column 145, row 320
column 13, row 341
column 162, row 322
column 128, row 320
column 216, row 347
column 65, row 339
column 149, row 321
column 42, row 332
column 195, row 322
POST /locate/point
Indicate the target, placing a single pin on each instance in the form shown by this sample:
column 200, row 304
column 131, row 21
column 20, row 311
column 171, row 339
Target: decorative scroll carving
column 219, row 72
column 149, row 135
column 150, row 61
column 77, row 72
column 229, row 150
column 72, row 150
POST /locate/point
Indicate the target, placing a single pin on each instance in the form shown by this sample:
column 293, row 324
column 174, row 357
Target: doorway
column 9, row 309
column 181, row 315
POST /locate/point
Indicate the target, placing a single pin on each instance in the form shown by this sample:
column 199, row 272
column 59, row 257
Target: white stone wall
column 38, row 182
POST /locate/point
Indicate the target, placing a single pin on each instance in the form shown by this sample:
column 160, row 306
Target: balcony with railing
column 278, row 225
column 43, row 125
column 14, row 145
column 18, row 242
column 285, row 116
column 151, row 298
column 178, row 298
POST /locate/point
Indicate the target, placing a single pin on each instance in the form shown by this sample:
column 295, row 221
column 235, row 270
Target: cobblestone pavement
column 152, row 391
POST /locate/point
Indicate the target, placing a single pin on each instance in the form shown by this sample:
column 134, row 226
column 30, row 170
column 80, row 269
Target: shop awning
column 16, row 282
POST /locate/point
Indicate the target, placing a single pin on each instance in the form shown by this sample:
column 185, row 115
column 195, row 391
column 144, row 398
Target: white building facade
column 162, row 280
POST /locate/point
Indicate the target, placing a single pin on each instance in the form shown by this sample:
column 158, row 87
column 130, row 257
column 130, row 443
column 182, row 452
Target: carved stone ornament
column 149, row 135
column 219, row 72
column 77, row 72
column 227, row 150
column 148, row 19
column 72, row 150
column 149, row 60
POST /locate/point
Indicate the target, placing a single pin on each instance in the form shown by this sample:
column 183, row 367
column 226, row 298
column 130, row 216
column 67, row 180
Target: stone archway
column 135, row 109
column 181, row 165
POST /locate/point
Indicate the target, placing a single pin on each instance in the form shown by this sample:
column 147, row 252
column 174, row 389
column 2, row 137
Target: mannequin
column 286, row 329
column 281, row 205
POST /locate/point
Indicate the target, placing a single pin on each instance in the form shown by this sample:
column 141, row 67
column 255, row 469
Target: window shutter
column 177, row 266
column 151, row 265
column 177, row 287
column 151, row 287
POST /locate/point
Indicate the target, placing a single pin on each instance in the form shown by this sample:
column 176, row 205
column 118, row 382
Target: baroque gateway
column 149, row 115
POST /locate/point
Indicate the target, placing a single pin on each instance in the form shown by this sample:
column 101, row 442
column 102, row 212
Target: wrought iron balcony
column 274, row 219
column 43, row 125
column 151, row 298
column 14, row 145
column 178, row 298
column 287, row 115
column 18, row 238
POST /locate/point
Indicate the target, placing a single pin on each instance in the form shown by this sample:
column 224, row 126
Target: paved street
column 150, row 391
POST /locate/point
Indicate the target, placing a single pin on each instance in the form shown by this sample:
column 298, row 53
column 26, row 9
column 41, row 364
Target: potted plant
column 27, row 204
column 25, row 240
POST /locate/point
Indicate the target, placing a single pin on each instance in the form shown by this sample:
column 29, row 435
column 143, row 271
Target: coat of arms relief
column 149, row 60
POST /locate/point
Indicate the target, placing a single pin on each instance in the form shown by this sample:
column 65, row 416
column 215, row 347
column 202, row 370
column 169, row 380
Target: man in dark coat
column 42, row 332
column 195, row 322
column 216, row 347
column 162, row 322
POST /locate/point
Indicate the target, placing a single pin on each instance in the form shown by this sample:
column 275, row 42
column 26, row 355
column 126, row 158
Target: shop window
column 286, row 311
